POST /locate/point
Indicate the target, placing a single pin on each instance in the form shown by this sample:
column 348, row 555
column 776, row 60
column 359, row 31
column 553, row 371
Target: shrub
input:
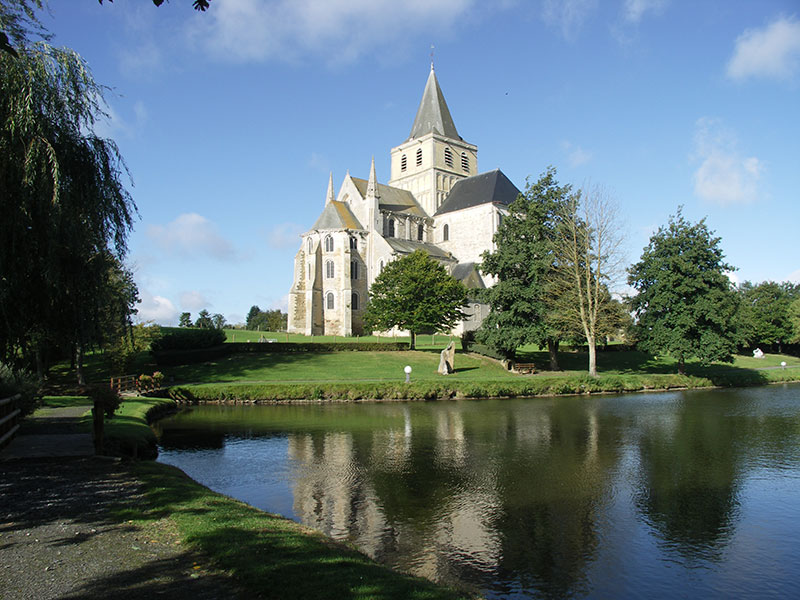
column 13, row 382
column 188, row 339
column 108, row 398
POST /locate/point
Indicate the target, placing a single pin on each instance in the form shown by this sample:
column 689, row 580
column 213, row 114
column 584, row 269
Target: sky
column 230, row 121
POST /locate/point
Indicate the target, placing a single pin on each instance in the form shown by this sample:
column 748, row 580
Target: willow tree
column 65, row 211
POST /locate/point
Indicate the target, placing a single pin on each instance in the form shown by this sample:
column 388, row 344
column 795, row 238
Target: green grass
column 128, row 432
column 65, row 401
column 266, row 555
column 424, row 340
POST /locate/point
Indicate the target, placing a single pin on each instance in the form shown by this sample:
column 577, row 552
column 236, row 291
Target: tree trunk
column 98, row 414
column 681, row 366
column 592, row 343
column 413, row 340
column 79, row 364
column 552, row 349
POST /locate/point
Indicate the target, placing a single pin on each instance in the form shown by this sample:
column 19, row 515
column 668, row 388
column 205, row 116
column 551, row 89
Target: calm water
column 685, row 494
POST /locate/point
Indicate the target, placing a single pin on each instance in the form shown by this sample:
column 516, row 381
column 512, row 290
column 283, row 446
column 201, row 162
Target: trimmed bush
column 188, row 339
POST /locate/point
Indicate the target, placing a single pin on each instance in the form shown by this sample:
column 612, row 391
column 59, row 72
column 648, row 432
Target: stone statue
column 447, row 359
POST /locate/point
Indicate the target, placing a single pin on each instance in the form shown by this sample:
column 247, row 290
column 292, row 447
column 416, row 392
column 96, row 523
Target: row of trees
column 66, row 213
column 205, row 320
column 266, row 320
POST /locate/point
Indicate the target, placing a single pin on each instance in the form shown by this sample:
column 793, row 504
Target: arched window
column 328, row 243
column 448, row 157
column 353, row 269
column 329, row 271
column 353, row 243
column 465, row 162
column 403, row 163
column 329, row 300
column 310, row 245
column 446, row 233
column 380, row 267
column 419, row 157
column 420, row 232
column 354, row 301
column 391, row 228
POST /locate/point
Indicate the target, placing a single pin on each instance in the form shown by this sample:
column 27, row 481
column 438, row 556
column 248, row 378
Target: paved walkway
column 51, row 433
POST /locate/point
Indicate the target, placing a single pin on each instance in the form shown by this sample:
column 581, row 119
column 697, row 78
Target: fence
column 125, row 383
column 9, row 417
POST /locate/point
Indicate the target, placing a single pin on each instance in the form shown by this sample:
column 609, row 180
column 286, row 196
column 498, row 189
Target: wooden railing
column 9, row 417
column 125, row 383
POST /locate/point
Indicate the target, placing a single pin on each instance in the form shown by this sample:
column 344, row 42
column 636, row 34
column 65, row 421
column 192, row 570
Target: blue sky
column 231, row 120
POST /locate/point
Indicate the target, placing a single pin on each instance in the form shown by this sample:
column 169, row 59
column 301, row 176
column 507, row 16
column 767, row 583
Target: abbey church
column 435, row 200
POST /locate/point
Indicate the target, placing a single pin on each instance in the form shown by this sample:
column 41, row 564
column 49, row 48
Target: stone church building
column 435, row 200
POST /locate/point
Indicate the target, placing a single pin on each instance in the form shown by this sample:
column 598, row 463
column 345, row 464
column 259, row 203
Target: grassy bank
column 267, row 555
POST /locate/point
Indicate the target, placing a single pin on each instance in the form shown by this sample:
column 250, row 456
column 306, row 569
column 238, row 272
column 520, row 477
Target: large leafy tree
column 763, row 317
column 417, row 294
column 65, row 213
column 684, row 303
column 522, row 311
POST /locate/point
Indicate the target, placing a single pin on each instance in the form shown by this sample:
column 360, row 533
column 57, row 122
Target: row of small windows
column 328, row 244
column 330, row 301
column 389, row 229
column 448, row 160
column 330, row 269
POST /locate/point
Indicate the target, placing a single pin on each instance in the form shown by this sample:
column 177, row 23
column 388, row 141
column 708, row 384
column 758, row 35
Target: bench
column 525, row 368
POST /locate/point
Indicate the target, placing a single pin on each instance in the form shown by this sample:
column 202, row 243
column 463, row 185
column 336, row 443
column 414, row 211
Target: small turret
column 329, row 197
column 372, row 184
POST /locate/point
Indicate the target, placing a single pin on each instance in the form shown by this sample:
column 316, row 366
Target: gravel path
column 58, row 538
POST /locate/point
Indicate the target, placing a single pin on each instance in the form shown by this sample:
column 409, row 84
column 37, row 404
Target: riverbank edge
column 524, row 387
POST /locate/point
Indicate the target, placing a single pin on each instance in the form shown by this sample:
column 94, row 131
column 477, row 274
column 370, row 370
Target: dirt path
column 60, row 539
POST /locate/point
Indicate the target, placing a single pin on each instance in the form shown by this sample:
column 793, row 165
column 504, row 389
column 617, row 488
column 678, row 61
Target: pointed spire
column 372, row 184
column 433, row 114
column 330, row 195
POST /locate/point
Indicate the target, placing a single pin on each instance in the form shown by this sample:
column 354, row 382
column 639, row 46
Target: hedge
column 188, row 339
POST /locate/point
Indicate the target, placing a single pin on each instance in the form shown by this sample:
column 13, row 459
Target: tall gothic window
column 446, row 233
column 353, row 243
column 329, row 271
column 310, row 245
column 329, row 299
column 353, row 269
column 354, row 301
column 419, row 157
column 328, row 243
column 420, row 232
column 448, row 157
column 464, row 162
column 390, row 233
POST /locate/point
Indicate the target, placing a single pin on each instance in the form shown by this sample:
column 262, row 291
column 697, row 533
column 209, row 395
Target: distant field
column 427, row 340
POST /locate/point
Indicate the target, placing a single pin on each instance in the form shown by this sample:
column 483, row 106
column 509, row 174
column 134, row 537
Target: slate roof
column 492, row 186
column 409, row 246
column 433, row 114
column 467, row 273
column 337, row 215
column 392, row 198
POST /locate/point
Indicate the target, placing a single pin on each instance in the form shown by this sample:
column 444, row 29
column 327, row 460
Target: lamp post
column 407, row 369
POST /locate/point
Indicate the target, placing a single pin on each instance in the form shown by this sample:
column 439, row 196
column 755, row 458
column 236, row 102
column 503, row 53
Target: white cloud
column 724, row 176
column 567, row 15
column 794, row 277
column 156, row 308
column 576, row 156
column 772, row 52
column 194, row 300
column 191, row 235
column 634, row 10
column 284, row 235
column 733, row 278
column 114, row 125
column 338, row 30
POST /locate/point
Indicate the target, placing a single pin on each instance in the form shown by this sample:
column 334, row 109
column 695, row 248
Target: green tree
column 65, row 213
column 794, row 319
column 417, row 294
column 763, row 316
column 204, row 320
column 252, row 317
column 185, row 320
column 523, row 263
column 685, row 305
column 218, row 321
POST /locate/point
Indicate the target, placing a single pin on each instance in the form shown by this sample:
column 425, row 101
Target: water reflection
column 547, row 498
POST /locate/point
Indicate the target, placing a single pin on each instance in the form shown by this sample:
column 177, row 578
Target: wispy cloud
column 634, row 11
column 285, row 235
column 156, row 308
column 114, row 125
column 338, row 30
column 192, row 235
column 724, row 175
column 576, row 156
column 568, row 16
column 794, row 276
column 194, row 300
column 772, row 52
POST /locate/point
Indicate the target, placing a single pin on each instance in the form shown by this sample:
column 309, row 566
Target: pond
column 677, row 494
